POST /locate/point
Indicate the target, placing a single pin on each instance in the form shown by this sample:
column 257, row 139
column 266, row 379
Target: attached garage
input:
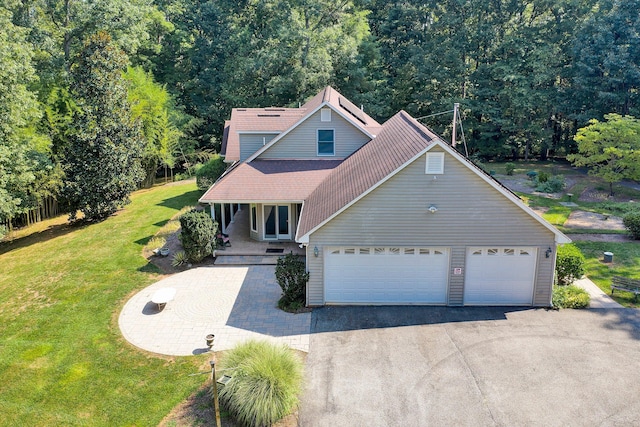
column 500, row 275
column 386, row 275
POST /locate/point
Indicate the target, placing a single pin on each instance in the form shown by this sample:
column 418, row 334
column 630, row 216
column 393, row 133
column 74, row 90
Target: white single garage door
column 386, row 275
column 500, row 276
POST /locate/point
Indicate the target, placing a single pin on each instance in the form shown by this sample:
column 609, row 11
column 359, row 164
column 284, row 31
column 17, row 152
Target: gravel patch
column 593, row 221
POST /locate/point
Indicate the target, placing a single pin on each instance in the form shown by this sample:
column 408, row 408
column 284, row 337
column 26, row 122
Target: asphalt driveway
column 420, row 366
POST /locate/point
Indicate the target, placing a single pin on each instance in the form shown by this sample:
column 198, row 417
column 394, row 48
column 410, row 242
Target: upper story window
column 435, row 163
column 326, row 142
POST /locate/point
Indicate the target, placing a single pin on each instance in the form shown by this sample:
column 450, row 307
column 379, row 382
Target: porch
column 243, row 245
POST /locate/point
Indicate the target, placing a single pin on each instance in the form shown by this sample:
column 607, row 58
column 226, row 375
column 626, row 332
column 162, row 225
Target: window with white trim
column 326, row 142
column 254, row 218
column 435, row 163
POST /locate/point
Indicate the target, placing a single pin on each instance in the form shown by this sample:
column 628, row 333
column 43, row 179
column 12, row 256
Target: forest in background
column 527, row 75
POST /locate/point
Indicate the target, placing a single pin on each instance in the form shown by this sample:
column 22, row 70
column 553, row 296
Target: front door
column 276, row 222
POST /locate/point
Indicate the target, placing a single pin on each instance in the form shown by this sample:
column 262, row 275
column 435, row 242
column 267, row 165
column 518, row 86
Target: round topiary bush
column 569, row 264
column 631, row 222
column 266, row 380
column 198, row 235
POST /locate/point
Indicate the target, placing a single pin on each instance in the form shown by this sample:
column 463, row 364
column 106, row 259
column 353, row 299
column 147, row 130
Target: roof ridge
column 419, row 127
column 326, row 97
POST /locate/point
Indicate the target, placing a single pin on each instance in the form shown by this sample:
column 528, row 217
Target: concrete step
column 247, row 259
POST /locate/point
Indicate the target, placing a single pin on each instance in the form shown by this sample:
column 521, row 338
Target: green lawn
column 64, row 361
column 626, row 257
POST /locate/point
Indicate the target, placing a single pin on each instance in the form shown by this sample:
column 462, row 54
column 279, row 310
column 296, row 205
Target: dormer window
column 326, row 142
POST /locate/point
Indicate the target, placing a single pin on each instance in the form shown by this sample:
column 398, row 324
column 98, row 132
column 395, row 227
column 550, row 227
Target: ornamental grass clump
column 266, row 380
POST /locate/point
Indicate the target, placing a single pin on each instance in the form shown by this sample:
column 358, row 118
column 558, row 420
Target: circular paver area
column 233, row 303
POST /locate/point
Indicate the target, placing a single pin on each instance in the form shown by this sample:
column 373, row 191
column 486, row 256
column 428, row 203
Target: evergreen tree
column 103, row 155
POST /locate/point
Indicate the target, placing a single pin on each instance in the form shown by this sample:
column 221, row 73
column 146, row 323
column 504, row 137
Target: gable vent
column 435, row 163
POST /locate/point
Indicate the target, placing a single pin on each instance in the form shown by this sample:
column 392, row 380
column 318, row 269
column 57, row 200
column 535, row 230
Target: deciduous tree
column 610, row 149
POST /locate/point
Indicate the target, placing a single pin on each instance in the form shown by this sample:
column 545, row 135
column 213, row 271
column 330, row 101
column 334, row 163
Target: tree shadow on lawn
column 50, row 233
column 182, row 200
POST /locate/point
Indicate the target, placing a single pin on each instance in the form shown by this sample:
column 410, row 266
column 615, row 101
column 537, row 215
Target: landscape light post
column 216, row 406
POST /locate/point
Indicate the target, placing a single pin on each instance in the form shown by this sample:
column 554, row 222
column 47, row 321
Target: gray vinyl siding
column 302, row 142
column 470, row 213
column 315, row 286
column 456, row 281
column 252, row 142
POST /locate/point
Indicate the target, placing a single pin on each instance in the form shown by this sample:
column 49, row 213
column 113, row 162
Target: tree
column 607, row 60
column 611, row 149
column 209, row 173
column 102, row 159
column 19, row 111
column 151, row 104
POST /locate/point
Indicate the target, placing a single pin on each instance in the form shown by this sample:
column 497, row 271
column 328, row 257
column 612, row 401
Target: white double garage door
column 420, row 275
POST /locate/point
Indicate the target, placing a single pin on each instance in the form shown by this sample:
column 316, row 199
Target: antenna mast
column 456, row 106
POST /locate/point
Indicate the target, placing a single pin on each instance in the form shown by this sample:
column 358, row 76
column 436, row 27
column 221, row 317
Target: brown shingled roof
column 400, row 139
column 267, row 120
column 269, row 180
column 278, row 120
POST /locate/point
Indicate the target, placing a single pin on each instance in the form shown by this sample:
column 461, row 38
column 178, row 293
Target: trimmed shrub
column 553, row 185
column 265, row 382
column 570, row 297
column 569, row 264
column 631, row 222
column 509, row 168
column 198, row 235
column 209, row 173
column 292, row 277
column 542, row 177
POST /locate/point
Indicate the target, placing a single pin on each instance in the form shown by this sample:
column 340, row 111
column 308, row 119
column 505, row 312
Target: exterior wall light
column 433, row 209
column 316, row 251
column 548, row 253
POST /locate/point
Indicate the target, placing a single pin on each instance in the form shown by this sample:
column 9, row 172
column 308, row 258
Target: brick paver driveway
column 233, row 303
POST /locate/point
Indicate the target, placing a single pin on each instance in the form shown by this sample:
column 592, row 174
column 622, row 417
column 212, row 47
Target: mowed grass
column 64, row 361
column 626, row 262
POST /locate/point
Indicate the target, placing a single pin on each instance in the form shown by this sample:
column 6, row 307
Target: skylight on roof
column 268, row 115
column 353, row 110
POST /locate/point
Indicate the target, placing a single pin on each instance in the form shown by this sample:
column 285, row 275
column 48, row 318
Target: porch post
column 223, row 218
column 233, row 217
column 213, row 211
column 239, row 206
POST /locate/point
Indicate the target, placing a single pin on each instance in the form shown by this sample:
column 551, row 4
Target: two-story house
column 389, row 214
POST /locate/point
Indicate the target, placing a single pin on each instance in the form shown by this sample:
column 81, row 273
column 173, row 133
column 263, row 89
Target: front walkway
column 598, row 298
column 233, row 303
